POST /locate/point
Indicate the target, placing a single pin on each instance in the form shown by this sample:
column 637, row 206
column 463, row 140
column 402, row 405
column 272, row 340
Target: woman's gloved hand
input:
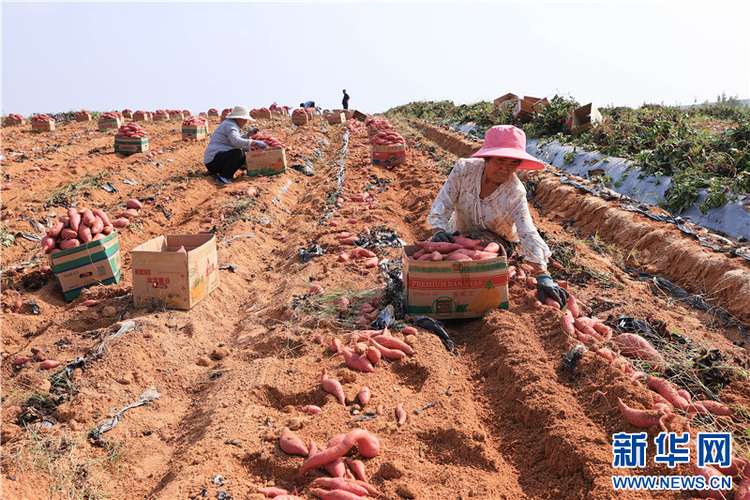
column 443, row 236
column 545, row 287
column 260, row 144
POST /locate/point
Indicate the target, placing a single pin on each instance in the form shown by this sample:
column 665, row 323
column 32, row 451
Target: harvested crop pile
column 387, row 138
column 271, row 141
column 131, row 130
column 41, row 118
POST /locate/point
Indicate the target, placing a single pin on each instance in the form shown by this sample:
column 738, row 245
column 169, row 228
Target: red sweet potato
column 364, row 395
column 102, row 215
column 332, row 386
column 393, row 343
column 374, row 355
column 400, row 414
column 87, row 217
column 68, row 233
column 48, row 243
column 567, row 323
column 272, row 492
column 75, row 219
column 409, row 330
column 641, row 418
column 48, row 364
column 55, row 230
column 439, row 246
column 67, row 244
column 334, row 494
column 708, row 472
column 356, row 361
column 291, row 444
column 716, row 408
column 368, row 446
column 572, row 305
column 339, row 483
column 665, row 388
column 358, row 467
column 312, row 409
column 387, row 352
column 635, row 346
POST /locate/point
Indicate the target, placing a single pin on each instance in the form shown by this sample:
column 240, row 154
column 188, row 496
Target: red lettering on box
column 143, row 271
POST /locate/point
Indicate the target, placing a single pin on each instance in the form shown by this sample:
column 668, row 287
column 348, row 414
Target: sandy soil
column 504, row 419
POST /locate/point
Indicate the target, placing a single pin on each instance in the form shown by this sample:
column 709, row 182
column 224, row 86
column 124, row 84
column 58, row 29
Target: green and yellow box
column 300, row 119
column 105, row 125
column 94, row 263
column 131, row 145
column 454, row 290
column 83, row 118
column 194, row 133
column 161, row 117
column 266, row 162
column 12, row 123
column 42, row 126
column 166, row 277
column 388, row 156
column 142, row 117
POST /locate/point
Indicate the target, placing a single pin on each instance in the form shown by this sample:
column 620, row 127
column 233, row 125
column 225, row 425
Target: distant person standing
column 345, row 100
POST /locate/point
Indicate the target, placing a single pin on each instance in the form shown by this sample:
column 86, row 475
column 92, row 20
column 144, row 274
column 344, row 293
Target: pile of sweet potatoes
column 83, row 112
column 377, row 123
column 41, row 118
column 110, row 115
column 226, row 112
column 387, row 138
column 271, row 141
column 131, row 130
column 464, row 249
column 194, row 121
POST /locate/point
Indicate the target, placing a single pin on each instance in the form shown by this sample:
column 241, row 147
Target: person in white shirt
column 225, row 153
column 483, row 193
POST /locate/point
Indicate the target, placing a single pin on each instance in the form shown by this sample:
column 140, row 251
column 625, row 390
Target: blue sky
column 66, row 56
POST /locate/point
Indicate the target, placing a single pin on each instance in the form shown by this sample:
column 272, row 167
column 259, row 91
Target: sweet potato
column 55, row 230
column 97, row 226
column 368, row 446
column 400, row 414
column 606, row 353
column 332, row 386
column 68, row 233
column 334, row 494
column 438, row 246
column 312, row 409
column 68, row 244
column 572, row 306
column 364, row 395
column 374, row 355
column 466, row 242
column 642, row 418
column 551, row 303
column 339, row 483
column 358, row 467
column 492, row 247
column 743, row 490
column 356, row 361
column 336, row 468
column 708, row 472
column 716, row 408
column 393, row 343
column 635, row 346
column 84, row 233
column 272, row 492
column 87, row 217
column 75, row 219
column 48, row 364
column 291, row 444
column 457, row 257
column 335, row 345
column 121, row 222
column 665, row 388
column 387, row 352
column 102, row 215
column 48, row 243
column 567, row 323
column 409, row 330
column 133, row 203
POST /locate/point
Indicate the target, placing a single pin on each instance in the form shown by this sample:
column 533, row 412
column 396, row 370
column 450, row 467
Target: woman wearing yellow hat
column 483, row 193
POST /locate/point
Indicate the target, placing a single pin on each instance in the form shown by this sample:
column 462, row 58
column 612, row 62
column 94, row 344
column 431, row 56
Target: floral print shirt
column 458, row 207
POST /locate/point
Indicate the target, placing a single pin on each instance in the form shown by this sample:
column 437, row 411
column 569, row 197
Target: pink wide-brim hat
column 507, row 141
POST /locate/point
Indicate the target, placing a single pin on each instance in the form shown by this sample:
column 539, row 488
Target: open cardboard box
column 163, row 277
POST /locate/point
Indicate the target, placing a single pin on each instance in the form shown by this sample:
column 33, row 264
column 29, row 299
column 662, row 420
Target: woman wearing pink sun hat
column 484, row 195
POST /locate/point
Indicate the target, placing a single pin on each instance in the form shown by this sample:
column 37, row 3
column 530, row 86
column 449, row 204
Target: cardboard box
column 582, row 119
column 105, row 125
column 348, row 113
column 539, row 105
column 334, row 118
column 213, row 113
column 94, row 263
column 193, row 133
column 300, row 119
column 83, row 118
column 447, row 290
column 161, row 117
column 166, row 278
column 269, row 161
column 142, row 117
column 524, row 110
column 131, row 145
column 42, row 126
column 176, row 114
column 12, row 123
column 357, row 115
column 127, row 115
column 260, row 114
column 504, row 100
column 388, row 156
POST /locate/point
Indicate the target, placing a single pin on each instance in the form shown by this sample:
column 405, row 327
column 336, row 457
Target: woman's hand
column 545, row 287
column 443, row 236
column 260, row 144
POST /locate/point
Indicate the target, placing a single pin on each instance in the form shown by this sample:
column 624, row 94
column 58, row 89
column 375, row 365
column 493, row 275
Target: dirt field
column 506, row 418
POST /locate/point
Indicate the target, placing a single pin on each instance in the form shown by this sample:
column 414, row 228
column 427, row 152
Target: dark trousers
column 227, row 163
column 345, row 104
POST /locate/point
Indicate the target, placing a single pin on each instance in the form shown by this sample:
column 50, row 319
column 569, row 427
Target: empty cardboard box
column 582, row 119
column 164, row 277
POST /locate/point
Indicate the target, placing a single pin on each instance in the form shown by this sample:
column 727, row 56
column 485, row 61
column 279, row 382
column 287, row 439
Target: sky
column 104, row 56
